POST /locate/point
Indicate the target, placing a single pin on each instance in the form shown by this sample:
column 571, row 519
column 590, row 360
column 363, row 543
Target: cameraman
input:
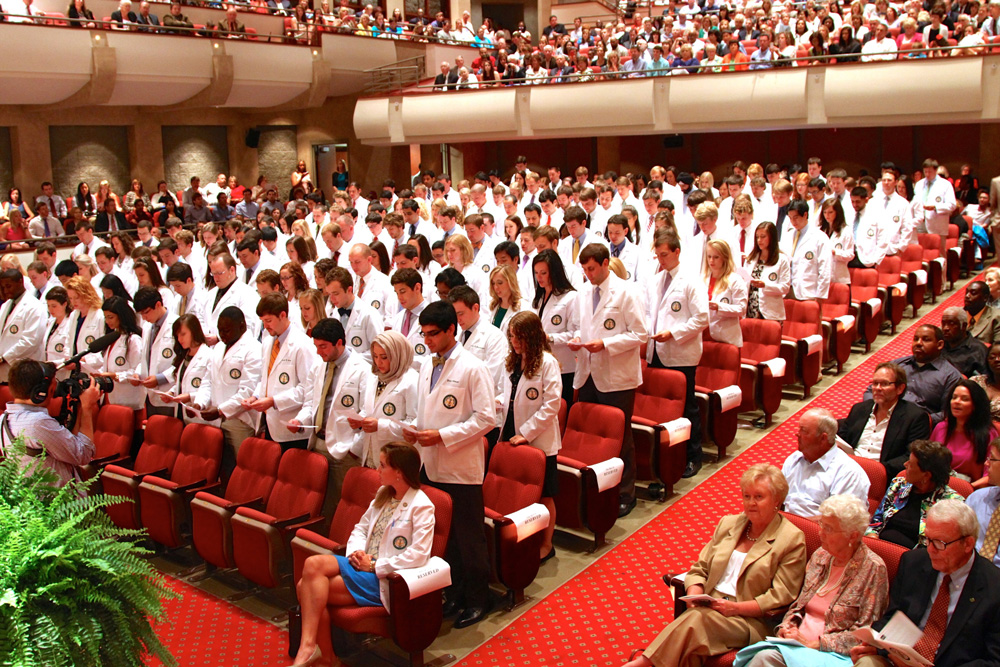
column 32, row 383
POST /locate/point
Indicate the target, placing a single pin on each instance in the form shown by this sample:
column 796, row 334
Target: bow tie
column 344, row 311
column 438, row 361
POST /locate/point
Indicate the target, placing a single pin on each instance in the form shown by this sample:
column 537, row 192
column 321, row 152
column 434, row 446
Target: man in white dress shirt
column 407, row 283
column 886, row 228
column 936, row 197
column 811, row 258
column 88, row 242
column 372, row 286
column 820, row 469
column 481, row 338
column 360, row 321
column 56, row 204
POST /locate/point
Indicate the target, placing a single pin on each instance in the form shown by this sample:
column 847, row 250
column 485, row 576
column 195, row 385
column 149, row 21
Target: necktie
column 548, row 220
column 597, row 297
column 743, row 241
column 38, row 294
column 532, row 199
column 795, row 241
column 152, row 338
column 857, row 222
column 45, row 221
column 616, row 249
column 395, row 247
column 249, row 274
column 436, row 369
column 336, row 257
column 887, row 200
column 361, row 287
column 407, row 322
column 992, row 539
column 937, row 622
column 413, row 229
column 320, row 407
column 183, row 307
column 465, row 337
column 345, row 315
column 275, row 349
column 438, row 361
column 576, row 249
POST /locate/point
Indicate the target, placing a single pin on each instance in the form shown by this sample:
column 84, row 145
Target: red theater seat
column 760, row 356
column 913, row 268
column 716, row 379
column 802, row 343
column 840, row 319
column 896, row 288
column 659, row 400
column 870, row 301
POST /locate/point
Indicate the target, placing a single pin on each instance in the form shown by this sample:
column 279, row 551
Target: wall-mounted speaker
column 253, row 137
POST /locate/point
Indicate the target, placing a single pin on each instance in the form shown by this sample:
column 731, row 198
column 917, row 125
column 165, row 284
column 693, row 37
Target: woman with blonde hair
column 86, row 305
column 104, row 192
column 727, row 294
column 15, row 229
column 505, row 297
column 389, row 397
column 312, row 308
column 88, row 269
column 460, row 256
column 530, row 396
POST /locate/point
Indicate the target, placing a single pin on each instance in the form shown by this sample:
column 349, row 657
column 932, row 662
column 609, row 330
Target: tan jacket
column 772, row 572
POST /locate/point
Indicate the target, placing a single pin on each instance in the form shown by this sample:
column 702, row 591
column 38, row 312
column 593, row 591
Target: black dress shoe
column 470, row 616
column 452, row 608
column 625, row 507
column 550, row 555
column 691, row 470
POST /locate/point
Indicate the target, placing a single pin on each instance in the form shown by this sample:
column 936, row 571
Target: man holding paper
column 951, row 593
column 333, row 396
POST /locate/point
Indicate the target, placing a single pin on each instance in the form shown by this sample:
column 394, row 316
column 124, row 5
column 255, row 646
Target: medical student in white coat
column 808, row 249
column 727, row 294
column 770, row 276
column 833, row 223
column 228, row 291
column 371, row 285
column 505, row 297
column 333, row 396
column 361, row 322
column 389, row 396
column 87, row 307
column 677, row 316
column 934, row 200
column 404, row 540
column 529, row 400
column 234, row 374
column 608, row 367
column 57, row 328
column 556, row 305
column 480, row 337
column 621, row 247
column 156, row 372
column 458, row 252
column 409, row 289
column 124, row 358
column 22, row 323
column 191, row 375
column 456, row 407
column 287, row 357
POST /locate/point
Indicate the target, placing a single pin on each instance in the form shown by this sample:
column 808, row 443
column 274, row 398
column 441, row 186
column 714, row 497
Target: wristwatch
column 373, row 564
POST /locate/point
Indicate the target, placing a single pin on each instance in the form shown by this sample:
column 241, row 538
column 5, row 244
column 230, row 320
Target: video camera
column 73, row 387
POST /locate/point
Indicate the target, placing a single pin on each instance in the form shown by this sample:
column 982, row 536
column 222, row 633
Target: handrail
column 46, row 19
column 603, row 75
column 395, row 76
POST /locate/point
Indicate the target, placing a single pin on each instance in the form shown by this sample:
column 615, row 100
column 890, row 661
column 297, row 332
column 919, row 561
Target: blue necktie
column 597, row 297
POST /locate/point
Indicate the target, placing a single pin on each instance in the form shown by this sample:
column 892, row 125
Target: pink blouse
column 963, row 452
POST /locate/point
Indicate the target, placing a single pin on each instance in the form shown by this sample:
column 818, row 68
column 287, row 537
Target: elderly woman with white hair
column 846, row 588
column 753, row 566
column 389, row 398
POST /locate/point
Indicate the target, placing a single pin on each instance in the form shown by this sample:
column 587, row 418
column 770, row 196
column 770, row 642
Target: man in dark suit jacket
column 907, row 421
column 554, row 26
column 109, row 214
column 441, row 80
column 966, row 637
column 145, row 18
column 124, row 13
column 984, row 322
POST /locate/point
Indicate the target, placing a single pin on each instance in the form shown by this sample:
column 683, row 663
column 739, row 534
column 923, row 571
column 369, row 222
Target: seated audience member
column 951, row 593
column 44, row 225
column 846, row 588
column 764, row 558
column 967, row 431
column 901, row 514
column 984, row 322
column 984, row 502
column 883, row 426
column 929, row 376
column 962, row 349
column 819, row 468
column 989, row 381
column 175, row 21
column 396, row 532
column 65, row 451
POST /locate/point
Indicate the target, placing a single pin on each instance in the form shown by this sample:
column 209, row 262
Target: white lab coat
column 345, row 399
column 561, row 323
column 724, row 323
column 23, row 331
column 536, row 406
column 880, row 231
column 287, row 382
column 941, row 195
column 413, row 337
column 378, row 293
column 240, row 295
column 777, row 279
column 629, row 256
column 406, row 542
column 57, row 342
column 396, row 405
column 732, row 237
column 505, row 322
column 125, row 356
column 683, row 311
column 565, row 250
column 193, row 381
column 195, row 306
column 161, row 356
column 362, row 327
column 235, row 376
column 842, row 249
column 92, row 329
column 485, row 259
column 620, row 322
column 489, row 345
column 811, row 263
column 462, row 407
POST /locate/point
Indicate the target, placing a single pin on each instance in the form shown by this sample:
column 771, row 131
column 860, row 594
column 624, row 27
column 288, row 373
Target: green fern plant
column 74, row 589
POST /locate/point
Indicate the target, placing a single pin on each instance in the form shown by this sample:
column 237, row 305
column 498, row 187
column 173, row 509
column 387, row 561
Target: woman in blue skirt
column 396, row 532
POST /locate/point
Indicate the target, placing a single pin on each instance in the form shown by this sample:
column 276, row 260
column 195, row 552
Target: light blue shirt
column 984, row 503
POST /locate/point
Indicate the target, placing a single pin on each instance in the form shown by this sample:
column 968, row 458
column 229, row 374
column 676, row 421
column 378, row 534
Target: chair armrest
column 140, row 476
column 107, row 460
column 295, row 523
column 256, row 503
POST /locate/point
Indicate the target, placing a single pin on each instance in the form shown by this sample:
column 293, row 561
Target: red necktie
column 743, row 240
column 406, row 323
column 937, row 622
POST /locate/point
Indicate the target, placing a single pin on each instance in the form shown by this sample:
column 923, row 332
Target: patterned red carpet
column 205, row 631
column 620, row 602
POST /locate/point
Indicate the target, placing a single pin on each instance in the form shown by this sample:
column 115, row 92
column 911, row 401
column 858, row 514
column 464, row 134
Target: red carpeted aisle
column 620, row 602
column 204, row 631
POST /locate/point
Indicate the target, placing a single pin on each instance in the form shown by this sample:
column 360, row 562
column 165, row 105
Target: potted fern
column 74, row 589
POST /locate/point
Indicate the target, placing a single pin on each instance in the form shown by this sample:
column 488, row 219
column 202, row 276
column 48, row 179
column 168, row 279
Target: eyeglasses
column 941, row 545
column 431, row 334
column 990, row 459
column 883, row 385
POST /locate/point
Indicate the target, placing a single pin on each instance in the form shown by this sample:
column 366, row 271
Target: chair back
column 761, row 339
column 301, row 485
column 161, row 446
column 960, row 486
column 802, row 319
column 515, row 478
column 256, row 471
column 719, row 366
column 889, row 270
column 660, row 398
column 912, row 258
column 360, row 486
column 594, row 433
column 838, row 301
column 864, row 284
column 442, row 518
column 200, row 455
column 113, row 431
column 878, row 480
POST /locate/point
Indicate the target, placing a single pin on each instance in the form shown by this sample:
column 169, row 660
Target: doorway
column 505, row 15
column 327, row 157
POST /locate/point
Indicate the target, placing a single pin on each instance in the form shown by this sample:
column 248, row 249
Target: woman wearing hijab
column 390, row 396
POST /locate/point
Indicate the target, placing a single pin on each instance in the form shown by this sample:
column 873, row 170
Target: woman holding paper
column 770, row 275
column 389, row 395
column 846, row 588
column 124, row 357
column 727, row 294
column 396, row 532
column 753, row 565
column 529, row 401
column 191, row 359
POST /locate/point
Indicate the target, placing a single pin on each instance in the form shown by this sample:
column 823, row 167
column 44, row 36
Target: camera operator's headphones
column 40, row 392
